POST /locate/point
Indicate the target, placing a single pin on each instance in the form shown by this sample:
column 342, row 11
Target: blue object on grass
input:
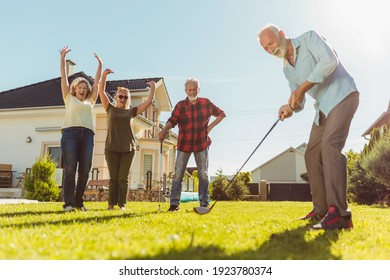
column 189, row 196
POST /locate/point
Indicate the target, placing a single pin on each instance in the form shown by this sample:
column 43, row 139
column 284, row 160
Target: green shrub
column 238, row 189
column 39, row 183
column 218, row 187
column 377, row 160
column 363, row 187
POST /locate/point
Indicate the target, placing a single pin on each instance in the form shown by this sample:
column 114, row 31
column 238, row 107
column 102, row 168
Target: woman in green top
column 120, row 143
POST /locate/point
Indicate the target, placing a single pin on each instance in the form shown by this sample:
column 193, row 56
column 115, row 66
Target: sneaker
column 110, row 207
column 123, row 208
column 333, row 220
column 173, row 208
column 69, row 209
column 312, row 216
column 82, row 208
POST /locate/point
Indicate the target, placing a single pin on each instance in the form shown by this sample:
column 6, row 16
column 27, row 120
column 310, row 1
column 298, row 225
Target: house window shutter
column 148, row 164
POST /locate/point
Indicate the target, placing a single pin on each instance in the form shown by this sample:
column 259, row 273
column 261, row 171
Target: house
column 284, row 167
column 282, row 175
column 384, row 119
column 31, row 117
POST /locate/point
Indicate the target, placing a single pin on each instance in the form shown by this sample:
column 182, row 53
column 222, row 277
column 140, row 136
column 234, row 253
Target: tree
column 363, row 188
column 218, row 186
column 39, row 183
column 237, row 189
column 245, row 177
column 377, row 159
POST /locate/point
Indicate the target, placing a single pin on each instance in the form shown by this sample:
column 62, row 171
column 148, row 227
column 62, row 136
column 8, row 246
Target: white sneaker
column 123, row 208
column 82, row 208
column 69, row 208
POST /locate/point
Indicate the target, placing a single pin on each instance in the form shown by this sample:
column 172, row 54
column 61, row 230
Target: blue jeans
column 77, row 149
column 201, row 159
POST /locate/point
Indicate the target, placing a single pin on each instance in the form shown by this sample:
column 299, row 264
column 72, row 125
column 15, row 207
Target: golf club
column 205, row 210
column 161, row 176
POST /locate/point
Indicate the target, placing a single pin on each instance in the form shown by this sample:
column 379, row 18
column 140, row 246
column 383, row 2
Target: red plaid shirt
column 193, row 121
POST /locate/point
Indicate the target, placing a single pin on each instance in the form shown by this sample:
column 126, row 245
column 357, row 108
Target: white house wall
column 300, row 166
column 16, row 126
column 256, row 175
column 280, row 169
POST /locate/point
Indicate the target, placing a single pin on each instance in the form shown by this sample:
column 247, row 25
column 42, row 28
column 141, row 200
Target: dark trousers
column 119, row 164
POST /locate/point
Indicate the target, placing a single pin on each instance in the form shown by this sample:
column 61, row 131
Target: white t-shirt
column 78, row 113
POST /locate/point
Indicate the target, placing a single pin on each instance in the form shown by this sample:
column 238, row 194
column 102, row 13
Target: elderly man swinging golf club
column 192, row 115
column 311, row 66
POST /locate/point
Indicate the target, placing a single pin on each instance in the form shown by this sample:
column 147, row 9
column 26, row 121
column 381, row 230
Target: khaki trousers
column 326, row 165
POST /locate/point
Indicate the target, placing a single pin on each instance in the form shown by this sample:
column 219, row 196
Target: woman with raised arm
column 77, row 133
column 120, row 143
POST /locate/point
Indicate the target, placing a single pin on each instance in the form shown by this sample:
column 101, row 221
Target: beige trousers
column 326, row 165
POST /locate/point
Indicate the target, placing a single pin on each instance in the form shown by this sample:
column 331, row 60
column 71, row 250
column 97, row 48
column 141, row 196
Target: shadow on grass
column 29, row 213
column 288, row 245
column 78, row 220
column 41, row 212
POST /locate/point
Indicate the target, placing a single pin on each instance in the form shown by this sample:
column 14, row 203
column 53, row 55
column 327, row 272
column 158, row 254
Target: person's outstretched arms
column 142, row 107
column 95, row 87
column 64, row 75
column 102, row 88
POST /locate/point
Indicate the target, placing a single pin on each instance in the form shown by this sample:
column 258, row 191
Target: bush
column 363, row 188
column 377, row 159
column 39, row 183
column 218, row 187
column 237, row 190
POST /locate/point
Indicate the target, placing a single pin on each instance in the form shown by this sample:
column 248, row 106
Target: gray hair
column 192, row 80
column 271, row 27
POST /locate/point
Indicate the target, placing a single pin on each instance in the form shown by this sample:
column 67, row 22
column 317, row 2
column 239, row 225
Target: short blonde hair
column 118, row 89
column 192, row 80
column 78, row 81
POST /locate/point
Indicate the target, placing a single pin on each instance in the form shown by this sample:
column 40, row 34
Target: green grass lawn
column 233, row 230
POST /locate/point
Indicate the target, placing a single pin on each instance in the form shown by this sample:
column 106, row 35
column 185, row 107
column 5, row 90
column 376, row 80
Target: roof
column 300, row 150
column 383, row 119
column 48, row 93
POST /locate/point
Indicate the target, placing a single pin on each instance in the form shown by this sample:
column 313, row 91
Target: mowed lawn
column 232, row 230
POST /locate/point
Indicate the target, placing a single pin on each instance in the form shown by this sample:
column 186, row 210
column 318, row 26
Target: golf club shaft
column 269, row 131
column 161, row 176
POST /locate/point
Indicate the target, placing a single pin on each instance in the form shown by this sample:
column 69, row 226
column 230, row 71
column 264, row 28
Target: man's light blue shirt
column 316, row 62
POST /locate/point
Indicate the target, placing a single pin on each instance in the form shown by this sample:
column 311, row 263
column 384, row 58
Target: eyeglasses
column 123, row 96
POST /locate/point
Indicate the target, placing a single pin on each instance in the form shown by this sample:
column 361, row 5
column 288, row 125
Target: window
column 148, row 164
column 55, row 154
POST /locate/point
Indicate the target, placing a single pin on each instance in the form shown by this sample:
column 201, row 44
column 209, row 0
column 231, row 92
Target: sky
column 213, row 40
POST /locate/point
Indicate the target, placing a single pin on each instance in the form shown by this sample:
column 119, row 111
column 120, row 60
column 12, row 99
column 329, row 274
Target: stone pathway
column 16, row 201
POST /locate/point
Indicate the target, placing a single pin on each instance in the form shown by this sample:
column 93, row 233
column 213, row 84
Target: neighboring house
column 383, row 119
column 31, row 117
column 285, row 167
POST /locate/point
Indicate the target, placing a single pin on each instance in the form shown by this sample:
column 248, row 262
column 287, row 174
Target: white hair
column 192, row 80
column 271, row 27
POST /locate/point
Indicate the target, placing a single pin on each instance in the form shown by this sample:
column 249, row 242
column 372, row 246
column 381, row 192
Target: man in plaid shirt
column 192, row 115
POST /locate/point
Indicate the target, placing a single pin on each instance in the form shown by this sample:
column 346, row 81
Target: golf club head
column 201, row 210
